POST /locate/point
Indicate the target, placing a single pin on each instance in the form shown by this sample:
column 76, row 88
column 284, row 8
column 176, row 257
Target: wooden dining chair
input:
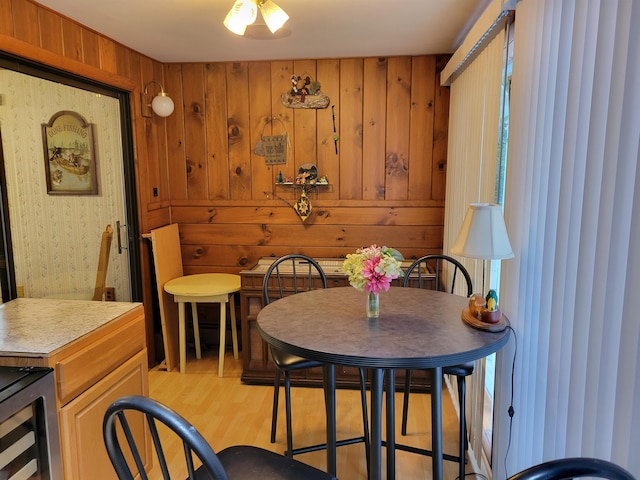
column 440, row 272
column 289, row 275
column 127, row 419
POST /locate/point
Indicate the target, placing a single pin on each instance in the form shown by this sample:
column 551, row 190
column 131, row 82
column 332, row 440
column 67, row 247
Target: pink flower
column 373, row 268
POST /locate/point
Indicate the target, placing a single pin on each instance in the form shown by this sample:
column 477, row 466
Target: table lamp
column 483, row 236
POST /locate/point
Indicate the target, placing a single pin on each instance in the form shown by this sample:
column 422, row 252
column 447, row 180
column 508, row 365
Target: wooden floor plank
column 228, row 413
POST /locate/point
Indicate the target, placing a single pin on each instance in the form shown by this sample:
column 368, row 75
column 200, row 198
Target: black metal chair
column 289, row 275
column 238, row 462
column 565, row 468
column 429, row 272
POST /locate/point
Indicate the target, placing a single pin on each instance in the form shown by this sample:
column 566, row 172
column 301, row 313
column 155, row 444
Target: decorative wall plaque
column 69, row 155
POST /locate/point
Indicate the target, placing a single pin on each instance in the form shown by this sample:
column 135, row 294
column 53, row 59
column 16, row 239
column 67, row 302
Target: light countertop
column 38, row 327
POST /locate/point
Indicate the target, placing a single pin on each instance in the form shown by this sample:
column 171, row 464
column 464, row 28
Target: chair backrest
column 103, row 263
column 125, row 412
column 574, row 467
column 292, row 274
column 431, row 271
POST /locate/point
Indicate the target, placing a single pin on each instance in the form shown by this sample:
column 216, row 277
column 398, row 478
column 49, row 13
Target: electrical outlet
column 109, row 294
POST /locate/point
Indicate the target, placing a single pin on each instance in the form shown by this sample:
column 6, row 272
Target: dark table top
column 416, row 329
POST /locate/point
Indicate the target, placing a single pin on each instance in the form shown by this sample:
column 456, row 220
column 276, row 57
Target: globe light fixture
column 161, row 105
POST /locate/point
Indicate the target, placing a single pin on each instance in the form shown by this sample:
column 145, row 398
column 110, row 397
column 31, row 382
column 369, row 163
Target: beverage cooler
column 29, row 442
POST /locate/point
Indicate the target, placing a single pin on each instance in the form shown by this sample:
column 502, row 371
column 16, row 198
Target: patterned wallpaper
column 56, row 238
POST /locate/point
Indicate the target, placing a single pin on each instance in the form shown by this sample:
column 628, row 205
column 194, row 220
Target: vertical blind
column 475, row 75
column 572, row 207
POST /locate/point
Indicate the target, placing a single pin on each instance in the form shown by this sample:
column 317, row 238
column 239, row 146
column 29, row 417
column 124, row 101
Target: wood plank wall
column 386, row 183
column 198, row 167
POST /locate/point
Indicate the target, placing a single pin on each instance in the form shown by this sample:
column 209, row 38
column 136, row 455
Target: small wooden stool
column 205, row 288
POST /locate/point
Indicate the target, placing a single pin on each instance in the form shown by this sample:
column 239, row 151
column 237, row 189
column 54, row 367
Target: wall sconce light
column 244, row 12
column 162, row 105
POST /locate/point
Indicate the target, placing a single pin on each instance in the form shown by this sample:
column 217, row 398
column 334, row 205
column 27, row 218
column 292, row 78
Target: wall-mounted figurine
column 304, row 93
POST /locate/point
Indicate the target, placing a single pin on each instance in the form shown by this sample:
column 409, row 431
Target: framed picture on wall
column 69, row 155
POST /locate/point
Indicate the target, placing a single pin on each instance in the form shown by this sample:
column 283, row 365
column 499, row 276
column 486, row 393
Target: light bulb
column 162, row 105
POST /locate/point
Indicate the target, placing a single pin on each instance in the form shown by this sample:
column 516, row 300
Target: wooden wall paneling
column 440, row 139
column 6, row 19
column 328, row 74
column 423, row 71
column 50, row 31
column 217, row 139
column 153, row 145
column 90, row 48
column 304, row 123
column 141, row 131
column 398, row 113
column 298, row 237
column 25, row 24
column 261, row 122
column 281, row 72
column 123, row 60
column 351, row 80
column 159, row 162
column 239, row 130
column 234, row 259
column 334, row 214
column 194, row 130
column 107, row 50
column 174, row 163
column 71, row 40
column 374, row 128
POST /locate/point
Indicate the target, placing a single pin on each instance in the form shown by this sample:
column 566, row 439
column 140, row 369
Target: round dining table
column 416, row 329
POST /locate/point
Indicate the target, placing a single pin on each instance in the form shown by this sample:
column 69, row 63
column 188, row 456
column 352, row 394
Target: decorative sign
column 275, row 149
column 69, row 155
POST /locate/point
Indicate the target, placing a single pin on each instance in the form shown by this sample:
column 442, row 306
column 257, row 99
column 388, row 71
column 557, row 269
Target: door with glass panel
column 60, row 192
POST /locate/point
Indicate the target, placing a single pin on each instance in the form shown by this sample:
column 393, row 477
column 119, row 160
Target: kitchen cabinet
column 98, row 353
column 257, row 366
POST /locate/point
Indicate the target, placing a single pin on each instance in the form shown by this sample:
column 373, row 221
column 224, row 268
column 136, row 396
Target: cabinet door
column 83, row 452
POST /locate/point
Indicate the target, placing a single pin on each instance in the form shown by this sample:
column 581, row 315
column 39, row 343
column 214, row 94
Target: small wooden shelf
column 307, row 187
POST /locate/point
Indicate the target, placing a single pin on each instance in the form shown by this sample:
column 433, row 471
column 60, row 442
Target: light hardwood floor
column 228, row 412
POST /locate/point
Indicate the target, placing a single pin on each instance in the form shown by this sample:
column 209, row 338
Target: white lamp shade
column 273, row 15
column 483, row 234
column 162, row 105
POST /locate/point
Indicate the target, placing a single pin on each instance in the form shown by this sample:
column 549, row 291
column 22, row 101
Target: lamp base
column 475, row 322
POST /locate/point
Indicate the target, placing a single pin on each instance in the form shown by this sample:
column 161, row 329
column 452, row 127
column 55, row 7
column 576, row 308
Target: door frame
column 35, row 69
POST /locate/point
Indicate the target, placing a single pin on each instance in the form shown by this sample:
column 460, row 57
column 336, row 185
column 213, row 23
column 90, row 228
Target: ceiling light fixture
column 244, row 12
column 162, row 105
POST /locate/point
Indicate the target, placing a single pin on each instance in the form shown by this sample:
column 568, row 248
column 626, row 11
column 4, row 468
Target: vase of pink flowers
column 372, row 269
